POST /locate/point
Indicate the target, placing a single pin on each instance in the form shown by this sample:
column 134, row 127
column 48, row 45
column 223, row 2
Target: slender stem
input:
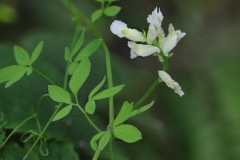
column 37, row 120
column 15, row 129
column 44, row 129
column 85, row 114
column 44, row 76
column 147, row 94
column 96, row 155
column 97, row 33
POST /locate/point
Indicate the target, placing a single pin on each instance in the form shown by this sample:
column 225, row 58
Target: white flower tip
column 181, row 93
column 117, row 27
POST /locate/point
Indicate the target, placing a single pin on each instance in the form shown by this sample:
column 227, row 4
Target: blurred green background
column 204, row 124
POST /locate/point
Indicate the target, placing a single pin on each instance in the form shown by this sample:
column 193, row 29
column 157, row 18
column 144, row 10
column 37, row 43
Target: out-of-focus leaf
column 72, row 67
column 79, row 43
column 12, row 74
column 36, row 52
column 96, row 15
column 112, row 10
column 67, row 54
column 21, row 56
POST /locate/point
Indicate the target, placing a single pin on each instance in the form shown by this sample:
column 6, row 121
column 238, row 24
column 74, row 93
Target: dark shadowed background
column 204, row 124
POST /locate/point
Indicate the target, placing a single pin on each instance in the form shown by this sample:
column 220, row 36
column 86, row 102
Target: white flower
column 121, row 30
column 142, row 50
column 155, row 22
column 170, row 82
column 169, row 42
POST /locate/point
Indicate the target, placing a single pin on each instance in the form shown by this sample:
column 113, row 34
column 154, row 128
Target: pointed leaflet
column 93, row 142
column 124, row 113
column 21, row 56
column 72, row 68
column 12, row 74
column 97, row 88
column 36, row 52
column 127, row 133
column 104, row 140
column 96, row 15
column 67, row 55
column 29, row 71
column 58, row 94
column 112, row 10
column 108, row 92
column 62, row 113
column 79, row 43
column 88, row 50
column 142, row 109
column 90, row 107
column 80, row 75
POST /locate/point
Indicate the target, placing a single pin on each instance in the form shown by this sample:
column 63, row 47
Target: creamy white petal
column 133, row 35
column 170, row 82
column 117, row 27
column 121, row 30
column 142, row 50
column 171, row 40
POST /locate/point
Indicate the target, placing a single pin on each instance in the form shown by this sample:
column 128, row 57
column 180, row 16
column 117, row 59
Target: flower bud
column 170, row 82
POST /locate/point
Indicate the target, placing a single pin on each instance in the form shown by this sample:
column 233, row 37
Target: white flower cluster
column 156, row 41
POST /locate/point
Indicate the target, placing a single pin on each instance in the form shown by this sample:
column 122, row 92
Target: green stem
column 147, row 94
column 96, row 155
column 43, row 75
column 44, row 129
column 85, row 114
column 37, row 120
column 97, row 33
column 15, row 129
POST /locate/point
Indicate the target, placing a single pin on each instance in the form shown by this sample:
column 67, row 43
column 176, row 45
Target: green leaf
column 112, row 10
column 142, row 109
column 72, row 67
column 79, row 43
column 88, row 50
column 90, row 106
column 104, row 140
column 21, row 56
column 62, row 113
column 96, row 15
column 67, row 55
column 37, row 52
column 12, row 74
column 108, row 92
column 97, row 88
column 127, row 133
column 124, row 113
column 29, row 71
column 80, row 75
column 93, row 142
column 58, row 94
